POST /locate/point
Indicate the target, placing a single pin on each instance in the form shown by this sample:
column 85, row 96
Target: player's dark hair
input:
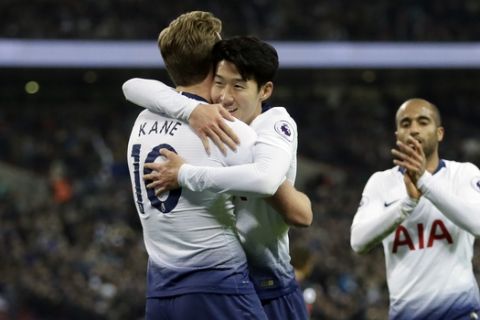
column 254, row 59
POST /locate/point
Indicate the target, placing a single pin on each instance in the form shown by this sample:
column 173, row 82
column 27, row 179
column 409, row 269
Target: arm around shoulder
column 158, row 97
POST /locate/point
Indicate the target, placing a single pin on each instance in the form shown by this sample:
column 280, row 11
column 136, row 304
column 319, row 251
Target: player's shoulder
column 275, row 114
column 148, row 115
column 274, row 121
column 461, row 173
column 386, row 176
column 461, row 170
column 278, row 111
column 156, row 118
column 143, row 116
column 243, row 130
column 456, row 165
column 243, row 154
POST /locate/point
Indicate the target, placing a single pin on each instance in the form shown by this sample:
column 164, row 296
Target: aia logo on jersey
column 438, row 232
column 476, row 183
column 284, row 129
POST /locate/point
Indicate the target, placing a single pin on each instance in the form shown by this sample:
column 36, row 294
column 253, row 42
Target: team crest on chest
column 476, row 183
column 284, row 129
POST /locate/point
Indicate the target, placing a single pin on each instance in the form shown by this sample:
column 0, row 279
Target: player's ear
column 266, row 91
column 440, row 133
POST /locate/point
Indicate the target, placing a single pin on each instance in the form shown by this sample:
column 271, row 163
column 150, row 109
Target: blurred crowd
column 70, row 240
column 76, row 252
column 323, row 20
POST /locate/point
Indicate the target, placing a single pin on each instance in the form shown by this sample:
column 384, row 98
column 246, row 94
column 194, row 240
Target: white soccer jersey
column 428, row 255
column 190, row 236
column 263, row 231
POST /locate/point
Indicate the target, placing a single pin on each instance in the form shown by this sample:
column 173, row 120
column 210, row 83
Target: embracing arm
column 273, row 154
column 260, row 178
column 159, row 98
column 207, row 120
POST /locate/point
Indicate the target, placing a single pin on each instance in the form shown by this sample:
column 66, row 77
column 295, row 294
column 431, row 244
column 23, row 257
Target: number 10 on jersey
column 164, row 206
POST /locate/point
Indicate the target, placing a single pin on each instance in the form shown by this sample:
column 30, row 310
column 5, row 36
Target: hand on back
column 208, row 121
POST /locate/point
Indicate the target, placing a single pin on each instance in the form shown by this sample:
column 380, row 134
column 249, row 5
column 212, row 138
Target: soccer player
column 426, row 213
column 245, row 68
column 197, row 268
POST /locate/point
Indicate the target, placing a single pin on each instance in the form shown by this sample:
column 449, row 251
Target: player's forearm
column 243, row 180
column 159, row 98
column 294, row 206
column 374, row 223
column 464, row 211
column 259, row 179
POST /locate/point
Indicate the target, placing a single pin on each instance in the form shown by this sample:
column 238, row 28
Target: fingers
column 404, row 160
column 218, row 141
column 167, row 153
column 411, row 188
column 163, row 176
column 406, row 157
column 410, row 156
column 222, row 136
column 407, row 148
column 418, row 147
column 230, row 137
column 405, row 164
column 208, row 122
column 153, row 166
column 160, row 190
column 151, row 176
column 154, row 184
column 225, row 114
column 206, row 144
column 221, row 139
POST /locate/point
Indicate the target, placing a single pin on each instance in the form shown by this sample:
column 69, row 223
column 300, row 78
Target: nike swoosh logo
column 388, row 204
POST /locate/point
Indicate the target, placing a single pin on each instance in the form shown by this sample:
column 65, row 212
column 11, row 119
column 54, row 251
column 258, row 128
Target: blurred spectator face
column 241, row 97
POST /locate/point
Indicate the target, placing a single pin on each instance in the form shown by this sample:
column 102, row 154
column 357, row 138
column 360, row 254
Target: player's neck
column 432, row 162
column 201, row 89
column 196, row 90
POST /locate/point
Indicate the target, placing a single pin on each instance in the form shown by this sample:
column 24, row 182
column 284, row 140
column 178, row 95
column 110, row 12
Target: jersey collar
column 193, row 96
column 266, row 106
column 441, row 164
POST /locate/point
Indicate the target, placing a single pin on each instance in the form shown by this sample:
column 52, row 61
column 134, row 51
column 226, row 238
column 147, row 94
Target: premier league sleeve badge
column 284, row 129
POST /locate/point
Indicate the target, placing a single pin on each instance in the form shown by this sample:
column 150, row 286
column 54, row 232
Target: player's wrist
column 423, row 181
column 408, row 205
column 182, row 174
column 189, row 108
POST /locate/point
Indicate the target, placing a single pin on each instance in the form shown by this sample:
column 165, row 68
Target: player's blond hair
column 186, row 46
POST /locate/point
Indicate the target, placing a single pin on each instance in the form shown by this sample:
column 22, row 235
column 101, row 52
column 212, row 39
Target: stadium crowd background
column 70, row 241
